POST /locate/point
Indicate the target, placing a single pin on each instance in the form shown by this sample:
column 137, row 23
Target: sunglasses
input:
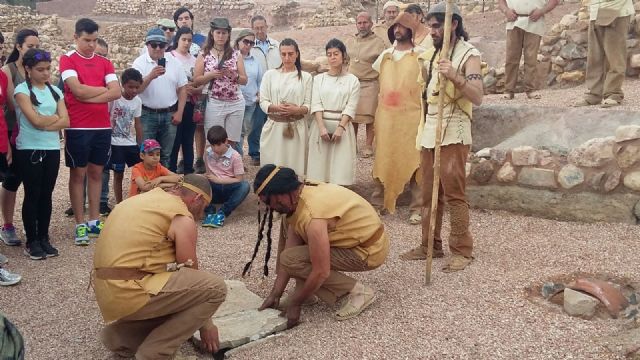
column 164, row 28
column 43, row 56
column 155, row 45
column 248, row 42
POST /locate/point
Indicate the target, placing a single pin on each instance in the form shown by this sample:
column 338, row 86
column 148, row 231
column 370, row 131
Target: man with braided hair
column 146, row 276
column 330, row 229
column 461, row 70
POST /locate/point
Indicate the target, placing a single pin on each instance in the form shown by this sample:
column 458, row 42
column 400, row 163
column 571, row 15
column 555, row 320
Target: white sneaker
column 7, row 278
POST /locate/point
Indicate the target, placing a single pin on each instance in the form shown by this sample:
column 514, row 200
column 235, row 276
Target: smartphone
column 162, row 62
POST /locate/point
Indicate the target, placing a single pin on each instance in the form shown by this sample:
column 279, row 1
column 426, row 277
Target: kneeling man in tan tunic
column 330, row 229
column 146, row 276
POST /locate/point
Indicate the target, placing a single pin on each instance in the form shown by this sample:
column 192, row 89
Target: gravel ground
column 482, row 312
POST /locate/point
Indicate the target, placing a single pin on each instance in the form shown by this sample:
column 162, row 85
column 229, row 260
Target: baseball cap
column 166, row 23
column 149, row 145
column 155, row 34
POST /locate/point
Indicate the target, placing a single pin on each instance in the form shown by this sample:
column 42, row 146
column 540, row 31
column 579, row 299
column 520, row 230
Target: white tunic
column 333, row 96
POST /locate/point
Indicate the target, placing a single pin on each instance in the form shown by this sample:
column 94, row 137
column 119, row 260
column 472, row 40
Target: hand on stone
column 292, row 312
column 511, row 15
column 210, row 341
column 271, row 302
column 536, row 15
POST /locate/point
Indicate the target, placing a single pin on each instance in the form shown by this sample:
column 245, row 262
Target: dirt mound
column 66, row 8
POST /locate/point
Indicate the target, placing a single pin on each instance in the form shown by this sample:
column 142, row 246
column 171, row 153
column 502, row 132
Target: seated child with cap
column 225, row 173
column 149, row 173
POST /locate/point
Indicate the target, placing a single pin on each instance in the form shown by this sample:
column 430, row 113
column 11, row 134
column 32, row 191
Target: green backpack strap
column 11, row 342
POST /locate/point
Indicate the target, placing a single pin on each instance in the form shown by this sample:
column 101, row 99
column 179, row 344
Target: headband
column 267, row 180
column 197, row 190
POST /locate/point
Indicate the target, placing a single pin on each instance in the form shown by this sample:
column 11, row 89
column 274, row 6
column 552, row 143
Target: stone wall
column 153, row 8
column 606, row 166
column 125, row 42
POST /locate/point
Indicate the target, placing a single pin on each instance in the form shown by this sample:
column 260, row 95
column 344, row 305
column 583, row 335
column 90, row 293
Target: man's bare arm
column 184, row 234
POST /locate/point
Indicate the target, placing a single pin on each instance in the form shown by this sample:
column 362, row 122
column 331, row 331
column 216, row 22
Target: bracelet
column 343, row 128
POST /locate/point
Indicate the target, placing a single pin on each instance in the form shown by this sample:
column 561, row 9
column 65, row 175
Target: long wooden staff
column 446, row 39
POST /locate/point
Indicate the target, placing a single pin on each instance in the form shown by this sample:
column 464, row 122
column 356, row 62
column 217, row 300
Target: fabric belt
column 522, row 15
column 172, row 108
column 375, row 237
column 284, row 118
column 120, row 273
column 333, row 111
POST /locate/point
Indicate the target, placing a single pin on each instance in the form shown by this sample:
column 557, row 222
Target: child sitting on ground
column 225, row 173
column 149, row 173
column 125, row 114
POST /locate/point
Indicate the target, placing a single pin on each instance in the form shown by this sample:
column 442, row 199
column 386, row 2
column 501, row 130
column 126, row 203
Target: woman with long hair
column 332, row 140
column 26, row 39
column 221, row 68
column 243, row 43
column 285, row 96
column 41, row 114
column 187, row 128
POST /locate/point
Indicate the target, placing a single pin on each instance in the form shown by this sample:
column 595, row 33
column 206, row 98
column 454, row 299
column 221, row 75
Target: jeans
column 259, row 118
column 184, row 139
column 158, row 126
column 229, row 195
column 39, row 171
column 247, row 124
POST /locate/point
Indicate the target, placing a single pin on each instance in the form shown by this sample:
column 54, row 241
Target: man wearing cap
column 163, row 93
column 330, row 229
column 364, row 48
column 168, row 27
column 460, row 68
column 390, row 11
column 525, row 28
column 267, row 53
column 607, row 52
column 146, row 278
column 397, row 118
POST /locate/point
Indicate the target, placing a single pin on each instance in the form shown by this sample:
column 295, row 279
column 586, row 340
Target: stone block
column 579, row 304
column 568, row 20
column 573, row 51
column 570, row 176
column 559, row 60
column 578, row 64
column 572, row 76
column 632, row 180
column 482, row 172
column 239, row 321
column 613, row 180
column 627, row 132
column 576, row 36
column 506, row 173
column 484, row 153
column 595, row 181
column 498, row 155
column 544, row 157
column 542, row 178
column 631, row 43
column 593, row 153
column 634, row 61
column 628, row 155
column 524, row 156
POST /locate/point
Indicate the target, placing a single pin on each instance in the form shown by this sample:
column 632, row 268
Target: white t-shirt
column 123, row 113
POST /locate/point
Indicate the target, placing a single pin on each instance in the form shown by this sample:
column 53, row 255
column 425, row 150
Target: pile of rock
column 15, row 18
column 165, row 8
column 335, row 13
column 125, row 42
column 289, row 13
column 563, row 52
column 601, row 165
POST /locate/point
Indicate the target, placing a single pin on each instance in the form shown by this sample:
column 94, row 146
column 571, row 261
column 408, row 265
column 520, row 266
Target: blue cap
column 156, row 34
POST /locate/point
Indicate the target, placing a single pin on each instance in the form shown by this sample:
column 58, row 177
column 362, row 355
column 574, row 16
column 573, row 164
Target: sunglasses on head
column 164, row 28
column 248, row 42
column 155, row 45
column 43, row 56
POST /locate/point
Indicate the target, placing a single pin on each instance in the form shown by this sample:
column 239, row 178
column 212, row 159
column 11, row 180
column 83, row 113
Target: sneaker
column 34, row 251
column 208, row 220
column 200, row 169
column 7, row 278
column 9, row 236
column 47, row 247
column 218, row 220
column 69, row 212
column 3, row 260
column 105, row 210
column 94, row 230
column 82, row 238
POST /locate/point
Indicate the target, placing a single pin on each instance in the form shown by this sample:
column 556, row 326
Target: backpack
column 11, row 342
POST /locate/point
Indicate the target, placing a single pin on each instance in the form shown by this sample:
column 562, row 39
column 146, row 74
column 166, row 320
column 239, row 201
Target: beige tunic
column 524, row 7
column 381, row 30
column 363, row 51
column 333, row 162
column 279, row 88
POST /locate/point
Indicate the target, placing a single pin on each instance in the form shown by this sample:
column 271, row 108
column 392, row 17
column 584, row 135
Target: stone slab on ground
column 239, row 321
column 579, row 304
column 586, row 207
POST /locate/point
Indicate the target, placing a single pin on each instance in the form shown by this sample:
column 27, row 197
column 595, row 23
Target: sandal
column 581, row 103
column 456, row 263
column 607, row 103
column 415, row 219
column 419, row 253
column 508, row 96
column 367, row 152
column 533, row 95
column 348, row 310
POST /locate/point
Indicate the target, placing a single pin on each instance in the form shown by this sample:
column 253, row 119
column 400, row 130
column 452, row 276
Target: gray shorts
column 228, row 114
